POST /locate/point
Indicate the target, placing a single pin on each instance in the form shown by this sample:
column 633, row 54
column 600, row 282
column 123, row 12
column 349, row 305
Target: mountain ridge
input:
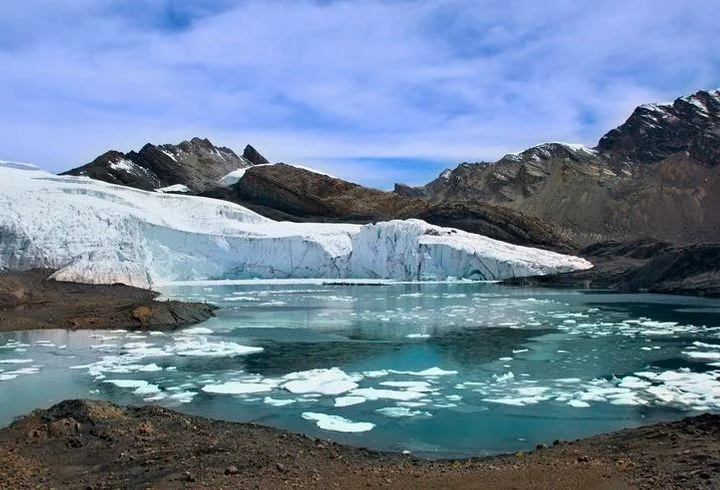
column 656, row 175
column 197, row 164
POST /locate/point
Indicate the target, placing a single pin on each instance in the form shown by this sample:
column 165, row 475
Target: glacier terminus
column 94, row 232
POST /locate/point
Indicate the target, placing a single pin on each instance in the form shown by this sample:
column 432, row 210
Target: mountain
column 655, row 132
column 191, row 166
column 291, row 193
column 300, row 194
column 657, row 175
column 95, row 232
column 654, row 176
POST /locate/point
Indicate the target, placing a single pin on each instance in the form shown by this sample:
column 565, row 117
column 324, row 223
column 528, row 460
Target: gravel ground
column 94, row 445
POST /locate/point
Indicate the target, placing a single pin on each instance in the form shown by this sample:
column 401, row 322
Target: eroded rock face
column 197, row 164
column 656, row 131
column 307, row 194
column 288, row 193
column 657, row 175
column 253, row 156
column 644, row 265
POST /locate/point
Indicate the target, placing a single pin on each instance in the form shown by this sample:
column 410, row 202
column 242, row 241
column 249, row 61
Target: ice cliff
column 95, row 232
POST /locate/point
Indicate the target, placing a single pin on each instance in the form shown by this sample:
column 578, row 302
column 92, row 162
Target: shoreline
column 94, row 444
column 644, row 266
column 31, row 301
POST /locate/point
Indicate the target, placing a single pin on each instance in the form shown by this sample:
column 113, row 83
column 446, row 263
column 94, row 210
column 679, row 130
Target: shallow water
column 436, row 369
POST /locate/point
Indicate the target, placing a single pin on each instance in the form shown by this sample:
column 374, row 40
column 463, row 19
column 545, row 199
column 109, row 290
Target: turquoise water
column 435, row 369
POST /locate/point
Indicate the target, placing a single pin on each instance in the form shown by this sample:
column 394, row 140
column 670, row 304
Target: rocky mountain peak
column 653, row 132
column 197, row 164
column 551, row 151
column 253, row 156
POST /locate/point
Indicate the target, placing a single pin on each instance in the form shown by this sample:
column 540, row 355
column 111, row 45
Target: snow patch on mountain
column 234, row 177
column 174, row 188
column 95, row 232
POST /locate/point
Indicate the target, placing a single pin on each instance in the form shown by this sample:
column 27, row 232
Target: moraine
column 434, row 368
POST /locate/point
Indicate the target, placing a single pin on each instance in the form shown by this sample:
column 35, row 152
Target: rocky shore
column 642, row 266
column 92, row 445
column 29, row 301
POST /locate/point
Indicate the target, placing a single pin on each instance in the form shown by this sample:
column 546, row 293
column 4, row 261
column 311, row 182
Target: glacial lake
column 438, row 369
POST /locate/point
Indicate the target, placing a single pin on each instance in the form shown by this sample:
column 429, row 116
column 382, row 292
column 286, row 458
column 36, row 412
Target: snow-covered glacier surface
column 95, row 232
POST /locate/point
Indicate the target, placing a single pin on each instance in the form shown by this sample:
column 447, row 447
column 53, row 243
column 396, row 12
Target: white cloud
column 340, row 81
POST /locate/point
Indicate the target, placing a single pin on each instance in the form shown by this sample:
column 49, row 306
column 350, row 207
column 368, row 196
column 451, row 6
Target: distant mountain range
column 294, row 193
column 656, row 176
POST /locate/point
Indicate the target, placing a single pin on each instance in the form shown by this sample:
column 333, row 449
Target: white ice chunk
column 197, row 331
column 324, row 381
column 377, row 394
column 275, row 402
column 337, row 423
column 237, row 388
column 431, row 372
column 346, row 401
column 127, row 383
column 399, row 412
column 578, row 404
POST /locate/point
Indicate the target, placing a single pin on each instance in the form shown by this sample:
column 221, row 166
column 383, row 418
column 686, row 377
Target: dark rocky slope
column 93, row 444
column 197, row 164
column 657, row 175
column 29, row 301
column 284, row 192
column 643, row 266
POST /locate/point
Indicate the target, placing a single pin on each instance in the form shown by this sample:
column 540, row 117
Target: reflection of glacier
column 101, row 233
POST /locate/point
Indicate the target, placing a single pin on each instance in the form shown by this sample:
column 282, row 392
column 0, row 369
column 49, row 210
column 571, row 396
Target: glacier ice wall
column 91, row 231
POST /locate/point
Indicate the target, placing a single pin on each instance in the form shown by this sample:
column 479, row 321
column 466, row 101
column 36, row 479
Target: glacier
column 94, row 232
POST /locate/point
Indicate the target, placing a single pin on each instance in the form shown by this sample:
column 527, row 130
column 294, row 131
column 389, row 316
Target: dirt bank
column 89, row 444
column 642, row 266
column 28, row 301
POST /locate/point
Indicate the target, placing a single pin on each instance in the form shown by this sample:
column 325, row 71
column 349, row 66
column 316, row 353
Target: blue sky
column 372, row 91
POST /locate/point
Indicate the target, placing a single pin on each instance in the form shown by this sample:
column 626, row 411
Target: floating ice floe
column 578, row 404
column 140, row 387
column 431, row 372
column 323, row 381
column 400, row 412
column 237, row 388
column 128, row 357
column 707, row 356
column 197, row 331
column 379, row 394
column 418, row 386
column 337, row 423
column 346, row 401
column 274, row 402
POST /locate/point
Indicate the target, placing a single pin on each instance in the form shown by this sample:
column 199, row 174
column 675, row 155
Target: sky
column 376, row 91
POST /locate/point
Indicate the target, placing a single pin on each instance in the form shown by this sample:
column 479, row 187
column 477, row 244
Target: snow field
column 95, row 232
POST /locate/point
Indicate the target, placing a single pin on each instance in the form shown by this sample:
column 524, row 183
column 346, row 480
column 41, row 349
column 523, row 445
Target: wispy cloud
column 359, row 88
